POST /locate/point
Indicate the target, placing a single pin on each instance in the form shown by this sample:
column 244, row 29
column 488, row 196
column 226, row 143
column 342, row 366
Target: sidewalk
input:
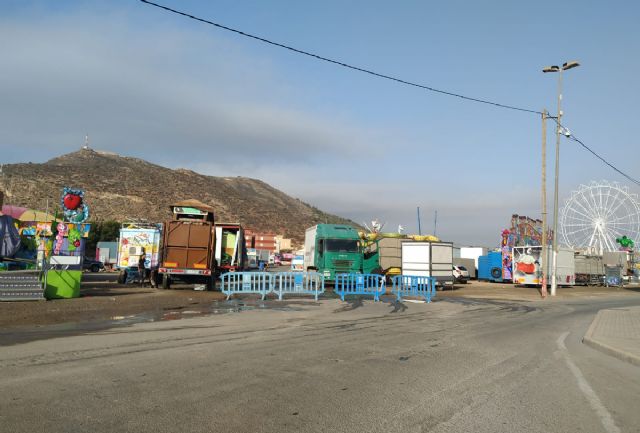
column 617, row 333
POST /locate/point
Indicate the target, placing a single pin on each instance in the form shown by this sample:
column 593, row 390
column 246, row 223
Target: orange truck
column 188, row 247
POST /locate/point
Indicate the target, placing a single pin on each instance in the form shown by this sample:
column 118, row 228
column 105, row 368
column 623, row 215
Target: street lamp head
column 569, row 65
column 550, row 69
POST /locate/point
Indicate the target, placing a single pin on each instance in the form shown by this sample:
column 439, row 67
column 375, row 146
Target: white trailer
column 473, row 253
column 428, row 259
column 230, row 251
column 310, row 247
column 527, row 268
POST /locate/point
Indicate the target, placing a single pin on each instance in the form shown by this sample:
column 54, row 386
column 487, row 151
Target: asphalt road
column 456, row 365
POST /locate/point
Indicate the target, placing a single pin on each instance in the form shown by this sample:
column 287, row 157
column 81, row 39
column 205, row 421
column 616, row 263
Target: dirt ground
column 108, row 300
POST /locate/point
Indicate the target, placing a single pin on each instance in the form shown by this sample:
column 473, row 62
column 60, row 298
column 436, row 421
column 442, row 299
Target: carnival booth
column 63, row 247
column 50, row 247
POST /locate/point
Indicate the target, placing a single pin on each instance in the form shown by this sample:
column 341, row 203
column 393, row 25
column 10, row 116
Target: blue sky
column 157, row 86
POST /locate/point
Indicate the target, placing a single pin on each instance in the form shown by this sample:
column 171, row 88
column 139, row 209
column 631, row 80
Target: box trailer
column 589, row 269
column 135, row 239
column 490, row 267
column 107, row 253
column 616, row 258
column 473, row 253
column 188, row 248
column 527, row 267
column 230, row 250
column 428, row 259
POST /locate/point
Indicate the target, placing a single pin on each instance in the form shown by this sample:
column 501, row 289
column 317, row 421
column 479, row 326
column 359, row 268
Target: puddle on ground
column 20, row 335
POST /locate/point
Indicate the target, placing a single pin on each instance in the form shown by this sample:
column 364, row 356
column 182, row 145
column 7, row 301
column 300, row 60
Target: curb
column 605, row 348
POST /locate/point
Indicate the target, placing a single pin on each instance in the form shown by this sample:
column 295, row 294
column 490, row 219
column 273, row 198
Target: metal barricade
column 411, row 285
column 299, row 283
column 246, row 282
column 360, row 284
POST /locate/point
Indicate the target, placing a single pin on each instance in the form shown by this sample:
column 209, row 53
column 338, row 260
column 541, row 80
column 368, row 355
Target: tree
column 102, row 231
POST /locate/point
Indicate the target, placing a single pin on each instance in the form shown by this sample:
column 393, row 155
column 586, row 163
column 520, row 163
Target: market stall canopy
column 24, row 214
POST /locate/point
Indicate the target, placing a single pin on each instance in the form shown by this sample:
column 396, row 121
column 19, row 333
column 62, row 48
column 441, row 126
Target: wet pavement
column 23, row 334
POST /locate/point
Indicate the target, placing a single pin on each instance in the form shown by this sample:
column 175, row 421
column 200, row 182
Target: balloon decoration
column 74, row 237
column 625, row 242
column 74, row 209
column 62, row 231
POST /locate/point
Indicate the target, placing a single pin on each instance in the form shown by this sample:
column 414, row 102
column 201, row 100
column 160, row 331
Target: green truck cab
column 332, row 249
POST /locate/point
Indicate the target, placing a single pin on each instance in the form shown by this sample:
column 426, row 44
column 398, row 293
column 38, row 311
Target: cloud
column 183, row 96
column 172, row 96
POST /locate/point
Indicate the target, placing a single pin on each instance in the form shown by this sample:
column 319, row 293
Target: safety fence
column 360, row 284
column 279, row 283
column 299, row 283
column 414, row 286
column 247, row 282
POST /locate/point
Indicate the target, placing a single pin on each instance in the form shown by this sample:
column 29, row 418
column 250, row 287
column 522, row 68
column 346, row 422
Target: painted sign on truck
column 527, row 268
column 136, row 238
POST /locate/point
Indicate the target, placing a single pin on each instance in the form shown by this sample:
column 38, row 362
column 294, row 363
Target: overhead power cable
column 574, row 138
column 567, row 133
column 337, row 62
column 388, row 77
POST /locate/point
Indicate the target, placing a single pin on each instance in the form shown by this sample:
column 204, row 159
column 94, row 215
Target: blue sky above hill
column 157, row 86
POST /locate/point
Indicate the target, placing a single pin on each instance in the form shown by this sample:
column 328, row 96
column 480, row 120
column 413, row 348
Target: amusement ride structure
column 598, row 215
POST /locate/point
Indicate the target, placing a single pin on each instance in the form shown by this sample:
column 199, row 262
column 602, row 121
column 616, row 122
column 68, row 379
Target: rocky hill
column 122, row 188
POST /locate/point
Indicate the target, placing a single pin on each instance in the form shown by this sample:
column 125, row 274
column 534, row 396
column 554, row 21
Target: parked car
column 92, row 265
column 460, row 274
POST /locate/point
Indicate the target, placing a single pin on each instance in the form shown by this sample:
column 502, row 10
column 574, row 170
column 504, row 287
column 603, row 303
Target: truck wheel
column 122, row 276
column 166, row 281
column 211, row 283
column 496, row 273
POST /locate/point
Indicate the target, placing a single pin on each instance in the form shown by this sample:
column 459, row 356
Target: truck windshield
column 341, row 245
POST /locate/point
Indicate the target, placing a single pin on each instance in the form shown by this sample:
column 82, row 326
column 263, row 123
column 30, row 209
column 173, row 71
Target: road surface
column 456, row 365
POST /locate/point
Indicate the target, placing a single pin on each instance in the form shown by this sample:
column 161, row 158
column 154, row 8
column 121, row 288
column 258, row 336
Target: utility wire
column 337, row 62
column 567, row 133
column 389, row 77
column 574, row 138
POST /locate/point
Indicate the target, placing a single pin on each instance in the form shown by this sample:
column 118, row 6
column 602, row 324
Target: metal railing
column 414, row 286
column 360, row 284
column 246, row 282
column 298, row 283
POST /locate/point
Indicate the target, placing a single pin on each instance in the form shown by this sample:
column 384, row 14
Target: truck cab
column 332, row 249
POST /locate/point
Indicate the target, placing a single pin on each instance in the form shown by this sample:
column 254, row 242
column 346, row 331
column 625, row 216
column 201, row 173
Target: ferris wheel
column 599, row 213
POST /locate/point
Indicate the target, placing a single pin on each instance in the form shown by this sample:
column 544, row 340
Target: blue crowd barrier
column 247, row 282
column 299, row 283
column 360, row 284
column 411, row 285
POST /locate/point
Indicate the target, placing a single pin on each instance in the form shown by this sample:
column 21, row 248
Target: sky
column 149, row 84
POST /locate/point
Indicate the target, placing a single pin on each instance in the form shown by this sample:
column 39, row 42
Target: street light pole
column 544, row 259
column 554, row 259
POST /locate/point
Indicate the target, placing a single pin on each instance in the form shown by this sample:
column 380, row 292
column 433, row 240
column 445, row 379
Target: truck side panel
column 442, row 261
column 416, row 259
column 428, row 259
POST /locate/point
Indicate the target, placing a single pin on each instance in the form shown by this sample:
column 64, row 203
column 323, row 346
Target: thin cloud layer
column 136, row 92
